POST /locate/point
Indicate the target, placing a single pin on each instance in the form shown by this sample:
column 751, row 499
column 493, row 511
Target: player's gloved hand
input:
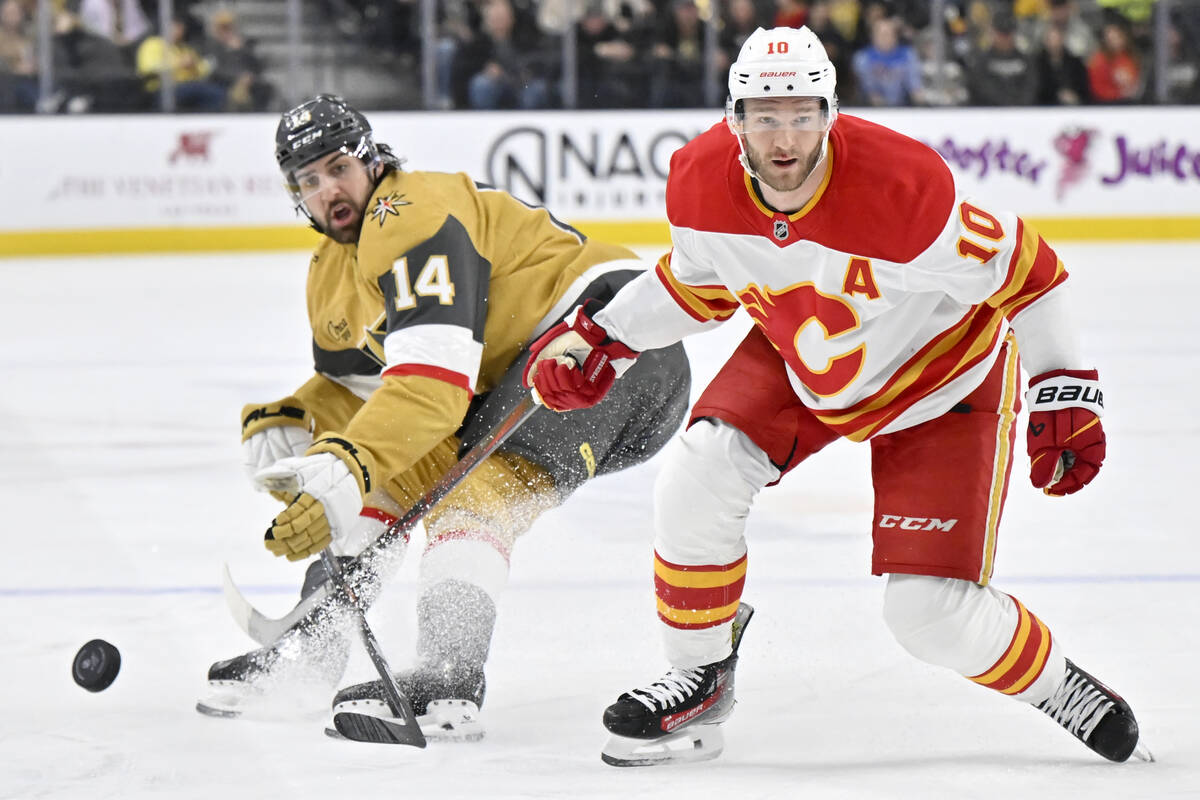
column 1065, row 438
column 328, row 499
column 282, row 429
column 574, row 364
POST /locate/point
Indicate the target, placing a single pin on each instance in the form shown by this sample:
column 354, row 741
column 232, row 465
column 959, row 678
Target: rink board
column 198, row 182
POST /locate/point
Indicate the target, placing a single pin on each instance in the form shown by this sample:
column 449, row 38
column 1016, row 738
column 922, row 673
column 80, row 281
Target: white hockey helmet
column 782, row 62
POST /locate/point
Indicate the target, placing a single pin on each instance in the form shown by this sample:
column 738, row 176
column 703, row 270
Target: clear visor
column 333, row 172
column 799, row 114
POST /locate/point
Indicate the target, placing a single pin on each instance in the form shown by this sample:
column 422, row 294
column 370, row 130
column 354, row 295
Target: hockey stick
column 361, row 569
column 406, row 730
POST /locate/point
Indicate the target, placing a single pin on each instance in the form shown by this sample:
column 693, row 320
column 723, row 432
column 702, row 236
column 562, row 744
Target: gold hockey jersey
column 448, row 282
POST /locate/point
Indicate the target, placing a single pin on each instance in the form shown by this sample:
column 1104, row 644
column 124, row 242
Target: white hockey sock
column 981, row 633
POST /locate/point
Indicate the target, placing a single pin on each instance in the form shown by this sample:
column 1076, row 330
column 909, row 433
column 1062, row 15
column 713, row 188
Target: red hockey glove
column 571, row 365
column 1065, row 438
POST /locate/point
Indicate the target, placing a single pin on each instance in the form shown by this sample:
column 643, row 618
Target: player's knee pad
column 710, row 477
column 949, row 622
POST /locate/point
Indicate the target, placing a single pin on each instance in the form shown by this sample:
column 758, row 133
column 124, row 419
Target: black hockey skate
column 1095, row 715
column 677, row 718
column 312, row 654
column 445, row 699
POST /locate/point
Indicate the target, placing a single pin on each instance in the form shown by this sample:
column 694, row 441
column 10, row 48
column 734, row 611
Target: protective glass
column 805, row 115
column 326, row 173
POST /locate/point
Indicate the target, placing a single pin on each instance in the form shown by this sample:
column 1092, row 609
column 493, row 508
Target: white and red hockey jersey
column 887, row 295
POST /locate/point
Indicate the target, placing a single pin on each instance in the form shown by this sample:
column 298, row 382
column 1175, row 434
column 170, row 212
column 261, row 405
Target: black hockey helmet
column 318, row 126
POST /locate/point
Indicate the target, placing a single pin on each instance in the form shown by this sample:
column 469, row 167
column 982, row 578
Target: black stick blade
column 366, row 728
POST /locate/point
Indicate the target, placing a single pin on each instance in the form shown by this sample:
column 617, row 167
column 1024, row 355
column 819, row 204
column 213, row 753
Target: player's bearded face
column 783, row 140
column 335, row 189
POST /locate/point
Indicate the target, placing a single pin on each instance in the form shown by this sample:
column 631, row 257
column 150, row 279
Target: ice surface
column 121, row 494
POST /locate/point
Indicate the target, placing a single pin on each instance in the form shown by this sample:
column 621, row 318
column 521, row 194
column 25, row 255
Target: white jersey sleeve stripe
column 434, row 350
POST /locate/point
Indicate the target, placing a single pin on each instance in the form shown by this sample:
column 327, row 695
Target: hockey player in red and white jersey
column 888, row 307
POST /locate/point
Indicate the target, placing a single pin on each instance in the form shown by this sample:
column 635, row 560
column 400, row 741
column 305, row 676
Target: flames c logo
column 785, row 317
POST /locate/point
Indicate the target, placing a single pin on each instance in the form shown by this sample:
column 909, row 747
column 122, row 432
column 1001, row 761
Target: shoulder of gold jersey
column 407, row 208
column 324, row 250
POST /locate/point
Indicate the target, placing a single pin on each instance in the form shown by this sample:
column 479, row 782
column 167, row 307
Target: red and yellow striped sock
column 698, row 596
column 1024, row 659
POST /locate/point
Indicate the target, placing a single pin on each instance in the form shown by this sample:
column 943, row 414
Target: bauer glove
column 574, row 364
column 1065, row 438
column 329, row 486
column 273, row 431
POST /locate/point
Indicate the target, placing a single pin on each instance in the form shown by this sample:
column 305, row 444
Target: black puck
column 96, row 665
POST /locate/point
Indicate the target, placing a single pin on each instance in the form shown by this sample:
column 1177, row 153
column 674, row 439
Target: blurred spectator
column 1114, row 71
column 123, row 22
column 629, row 17
column 235, row 66
column 1028, row 12
column 1000, row 74
column 913, row 16
column 90, row 71
column 978, row 15
column 195, row 90
column 1183, row 69
column 942, row 78
column 1077, row 35
column 844, row 16
column 837, row 48
column 871, row 12
column 609, row 69
column 1133, row 11
column 740, row 20
column 1062, row 78
column 888, row 73
column 506, row 62
column 677, row 79
column 959, row 44
column 791, row 13
column 458, row 26
column 392, row 27
column 18, row 87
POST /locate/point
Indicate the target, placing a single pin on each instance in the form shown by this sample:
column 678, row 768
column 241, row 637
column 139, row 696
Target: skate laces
column 670, row 689
column 1078, row 705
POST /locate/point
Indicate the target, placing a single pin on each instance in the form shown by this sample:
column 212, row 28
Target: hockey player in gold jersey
column 423, row 293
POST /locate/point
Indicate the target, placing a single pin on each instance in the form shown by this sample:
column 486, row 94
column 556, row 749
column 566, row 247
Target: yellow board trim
column 628, row 232
column 156, row 240
column 1109, row 229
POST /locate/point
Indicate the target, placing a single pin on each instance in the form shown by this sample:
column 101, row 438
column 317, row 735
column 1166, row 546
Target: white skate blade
column 229, row 701
column 1143, row 752
column 451, row 721
column 444, row 720
column 252, row 701
column 696, row 743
